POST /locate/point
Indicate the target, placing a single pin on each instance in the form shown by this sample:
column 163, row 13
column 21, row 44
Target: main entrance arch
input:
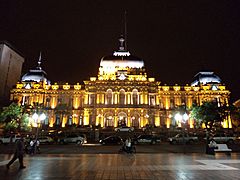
column 122, row 119
column 108, row 119
column 135, row 120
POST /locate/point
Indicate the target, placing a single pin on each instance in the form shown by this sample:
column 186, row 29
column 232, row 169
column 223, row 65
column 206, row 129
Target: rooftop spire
column 39, row 61
column 121, row 41
column 125, row 29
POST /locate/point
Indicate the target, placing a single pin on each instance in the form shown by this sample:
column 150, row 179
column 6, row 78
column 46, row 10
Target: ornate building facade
column 121, row 94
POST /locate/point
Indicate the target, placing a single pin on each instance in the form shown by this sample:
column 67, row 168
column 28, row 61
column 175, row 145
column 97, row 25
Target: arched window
column 109, row 96
column 122, row 96
column 108, row 120
column 122, row 119
column 135, row 96
column 135, row 118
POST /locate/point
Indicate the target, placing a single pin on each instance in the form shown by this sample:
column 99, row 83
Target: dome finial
column 121, row 40
column 40, row 60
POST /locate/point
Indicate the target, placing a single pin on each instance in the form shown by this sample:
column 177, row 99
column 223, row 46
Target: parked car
column 224, row 138
column 84, row 138
column 124, row 129
column 111, row 140
column 147, row 139
column 45, row 140
column 183, row 138
column 9, row 139
column 72, row 138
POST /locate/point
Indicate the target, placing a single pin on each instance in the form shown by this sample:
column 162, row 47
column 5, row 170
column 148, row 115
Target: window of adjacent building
column 122, row 97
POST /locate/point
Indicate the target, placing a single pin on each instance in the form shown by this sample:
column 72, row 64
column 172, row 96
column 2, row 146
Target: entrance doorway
column 122, row 119
column 108, row 120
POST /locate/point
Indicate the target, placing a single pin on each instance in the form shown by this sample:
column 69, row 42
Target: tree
column 235, row 116
column 13, row 118
column 210, row 114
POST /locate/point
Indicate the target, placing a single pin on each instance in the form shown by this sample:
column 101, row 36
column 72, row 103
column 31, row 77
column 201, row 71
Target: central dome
column 205, row 77
column 121, row 59
column 36, row 75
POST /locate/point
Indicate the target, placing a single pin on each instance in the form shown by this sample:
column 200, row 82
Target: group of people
column 33, row 146
column 20, row 149
column 128, row 146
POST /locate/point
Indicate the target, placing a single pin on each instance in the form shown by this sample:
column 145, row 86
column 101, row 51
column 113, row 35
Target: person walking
column 19, row 152
column 38, row 146
column 32, row 149
column 128, row 144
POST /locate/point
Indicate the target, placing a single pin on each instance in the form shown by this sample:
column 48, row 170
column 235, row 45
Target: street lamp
column 38, row 119
column 179, row 118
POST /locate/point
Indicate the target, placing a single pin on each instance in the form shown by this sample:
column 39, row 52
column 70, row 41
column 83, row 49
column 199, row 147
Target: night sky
column 176, row 39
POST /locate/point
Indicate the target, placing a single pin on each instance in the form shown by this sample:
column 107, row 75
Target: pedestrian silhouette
column 19, row 152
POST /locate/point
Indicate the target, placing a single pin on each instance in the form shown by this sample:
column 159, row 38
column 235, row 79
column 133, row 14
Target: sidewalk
column 124, row 166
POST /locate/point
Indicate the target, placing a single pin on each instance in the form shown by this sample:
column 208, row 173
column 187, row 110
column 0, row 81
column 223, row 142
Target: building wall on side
column 10, row 70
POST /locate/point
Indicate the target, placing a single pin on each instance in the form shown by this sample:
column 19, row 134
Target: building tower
column 10, row 70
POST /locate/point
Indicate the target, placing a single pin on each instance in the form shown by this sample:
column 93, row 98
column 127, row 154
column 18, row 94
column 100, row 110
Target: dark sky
column 176, row 39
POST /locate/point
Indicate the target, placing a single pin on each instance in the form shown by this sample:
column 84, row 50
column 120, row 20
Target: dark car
column 145, row 138
column 111, row 140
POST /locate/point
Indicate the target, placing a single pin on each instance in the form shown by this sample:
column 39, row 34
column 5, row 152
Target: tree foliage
column 209, row 113
column 13, row 118
column 235, row 116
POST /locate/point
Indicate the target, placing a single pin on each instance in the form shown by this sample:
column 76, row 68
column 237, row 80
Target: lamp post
column 182, row 118
column 38, row 119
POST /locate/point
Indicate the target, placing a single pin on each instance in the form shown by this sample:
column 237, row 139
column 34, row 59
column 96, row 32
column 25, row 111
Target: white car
column 72, row 138
column 9, row 139
column 45, row 140
column 124, row 129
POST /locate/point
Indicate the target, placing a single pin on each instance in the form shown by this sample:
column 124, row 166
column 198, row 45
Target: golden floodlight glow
column 55, row 86
column 165, row 88
column 19, row 86
column 176, row 88
column 206, row 87
column 77, row 86
column 47, row 87
column 93, row 78
column 196, row 88
column 36, row 86
column 66, row 86
column 151, row 79
column 187, row 88
column 222, row 88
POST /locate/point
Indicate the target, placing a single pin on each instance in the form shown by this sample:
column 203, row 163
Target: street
column 163, row 147
column 167, row 166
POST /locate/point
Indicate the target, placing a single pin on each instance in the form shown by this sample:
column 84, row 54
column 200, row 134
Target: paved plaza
column 124, row 166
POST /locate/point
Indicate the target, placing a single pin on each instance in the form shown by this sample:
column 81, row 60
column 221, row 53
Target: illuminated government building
column 121, row 94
